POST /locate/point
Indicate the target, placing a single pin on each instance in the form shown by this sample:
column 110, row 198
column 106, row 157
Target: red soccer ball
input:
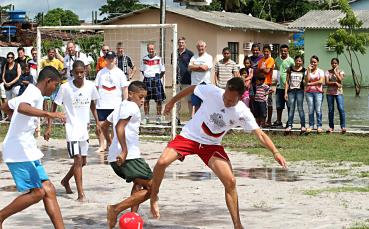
column 131, row 220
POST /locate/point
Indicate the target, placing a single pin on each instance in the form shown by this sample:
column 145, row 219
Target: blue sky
column 82, row 7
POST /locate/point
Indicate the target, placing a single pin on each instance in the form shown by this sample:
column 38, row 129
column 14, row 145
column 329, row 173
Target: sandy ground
column 191, row 197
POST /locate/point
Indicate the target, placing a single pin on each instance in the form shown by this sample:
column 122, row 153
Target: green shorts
column 133, row 169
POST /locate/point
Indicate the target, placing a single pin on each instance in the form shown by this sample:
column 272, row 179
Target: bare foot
column 111, row 217
column 82, row 199
column 66, row 185
column 101, row 149
column 154, row 206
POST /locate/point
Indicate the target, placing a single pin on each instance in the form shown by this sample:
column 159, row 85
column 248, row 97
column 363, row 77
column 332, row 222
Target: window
column 234, row 47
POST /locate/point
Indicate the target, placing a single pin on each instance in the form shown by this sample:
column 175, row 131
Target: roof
column 222, row 19
column 327, row 19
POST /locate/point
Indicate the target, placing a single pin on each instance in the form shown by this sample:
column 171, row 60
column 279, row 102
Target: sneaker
column 329, row 131
column 303, row 130
column 343, row 130
column 287, row 131
column 277, row 124
column 159, row 120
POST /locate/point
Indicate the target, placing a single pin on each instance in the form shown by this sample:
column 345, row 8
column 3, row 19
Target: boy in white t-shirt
column 124, row 153
column 111, row 83
column 202, row 135
column 78, row 97
column 20, row 152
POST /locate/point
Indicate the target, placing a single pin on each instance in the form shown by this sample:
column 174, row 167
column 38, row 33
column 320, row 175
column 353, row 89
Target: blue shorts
column 279, row 99
column 102, row 114
column 195, row 100
column 27, row 175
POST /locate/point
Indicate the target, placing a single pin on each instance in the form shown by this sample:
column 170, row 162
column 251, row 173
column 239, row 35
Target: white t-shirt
column 125, row 110
column 212, row 121
column 199, row 77
column 76, row 102
column 109, row 84
column 152, row 66
column 19, row 144
column 69, row 60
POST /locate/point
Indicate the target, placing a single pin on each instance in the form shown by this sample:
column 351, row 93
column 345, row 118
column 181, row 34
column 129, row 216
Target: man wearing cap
column 125, row 62
column 112, row 86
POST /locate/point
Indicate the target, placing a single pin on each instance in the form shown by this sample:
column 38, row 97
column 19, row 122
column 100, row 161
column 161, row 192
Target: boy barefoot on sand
column 20, row 152
column 124, row 153
column 220, row 111
column 78, row 97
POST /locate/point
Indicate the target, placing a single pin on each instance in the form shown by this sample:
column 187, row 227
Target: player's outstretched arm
column 27, row 109
column 169, row 106
column 267, row 142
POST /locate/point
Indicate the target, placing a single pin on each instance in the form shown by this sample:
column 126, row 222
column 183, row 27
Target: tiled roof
column 222, row 19
column 327, row 19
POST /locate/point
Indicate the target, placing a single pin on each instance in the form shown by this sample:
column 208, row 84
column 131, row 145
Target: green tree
column 58, row 16
column 349, row 41
column 114, row 8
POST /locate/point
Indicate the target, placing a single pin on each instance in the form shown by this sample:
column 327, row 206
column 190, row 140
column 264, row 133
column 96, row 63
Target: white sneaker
column 144, row 121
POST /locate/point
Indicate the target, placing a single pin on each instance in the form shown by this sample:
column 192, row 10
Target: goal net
column 134, row 39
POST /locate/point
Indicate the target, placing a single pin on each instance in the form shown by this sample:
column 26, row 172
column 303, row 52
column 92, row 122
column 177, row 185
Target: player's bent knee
column 38, row 193
column 230, row 184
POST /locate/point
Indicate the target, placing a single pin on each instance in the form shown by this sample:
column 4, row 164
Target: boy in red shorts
column 202, row 135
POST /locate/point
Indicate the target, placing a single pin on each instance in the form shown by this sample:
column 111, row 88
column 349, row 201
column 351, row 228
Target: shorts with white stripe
column 76, row 148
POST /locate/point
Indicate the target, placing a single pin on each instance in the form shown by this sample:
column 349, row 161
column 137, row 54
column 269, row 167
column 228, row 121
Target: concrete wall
column 315, row 45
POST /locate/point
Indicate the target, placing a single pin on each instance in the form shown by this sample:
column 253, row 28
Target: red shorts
column 185, row 147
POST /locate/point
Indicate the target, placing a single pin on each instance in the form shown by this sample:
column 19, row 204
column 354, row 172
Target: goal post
column 134, row 37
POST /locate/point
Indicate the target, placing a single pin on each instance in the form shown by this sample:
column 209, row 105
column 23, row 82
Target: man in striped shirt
column 225, row 69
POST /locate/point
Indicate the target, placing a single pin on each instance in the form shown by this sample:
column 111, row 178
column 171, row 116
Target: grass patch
column 361, row 225
column 331, row 148
column 315, row 192
column 341, row 172
column 364, row 174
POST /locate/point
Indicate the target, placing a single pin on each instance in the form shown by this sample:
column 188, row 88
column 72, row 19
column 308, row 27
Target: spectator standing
column 294, row 93
column 282, row 64
column 183, row 74
column 112, row 86
column 24, row 80
column 2, row 89
column 261, row 96
column 225, row 69
column 334, row 80
column 52, row 60
column 254, row 59
column 247, row 74
column 266, row 67
column 153, row 70
column 32, row 64
column 101, row 63
column 125, row 63
column 22, row 58
column 71, row 56
column 11, row 73
column 200, row 66
column 314, row 93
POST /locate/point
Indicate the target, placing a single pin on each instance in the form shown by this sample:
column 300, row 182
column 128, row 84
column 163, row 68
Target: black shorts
column 260, row 109
column 155, row 89
column 103, row 114
column 133, row 169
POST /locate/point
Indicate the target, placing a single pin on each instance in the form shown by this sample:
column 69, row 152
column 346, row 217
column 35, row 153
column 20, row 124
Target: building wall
column 193, row 30
column 315, row 45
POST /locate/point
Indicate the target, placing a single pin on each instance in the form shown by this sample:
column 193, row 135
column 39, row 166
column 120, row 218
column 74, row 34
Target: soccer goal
column 133, row 37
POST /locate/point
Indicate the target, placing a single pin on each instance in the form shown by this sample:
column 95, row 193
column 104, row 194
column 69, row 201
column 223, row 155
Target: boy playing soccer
column 124, row 153
column 220, row 111
column 78, row 97
column 20, row 152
